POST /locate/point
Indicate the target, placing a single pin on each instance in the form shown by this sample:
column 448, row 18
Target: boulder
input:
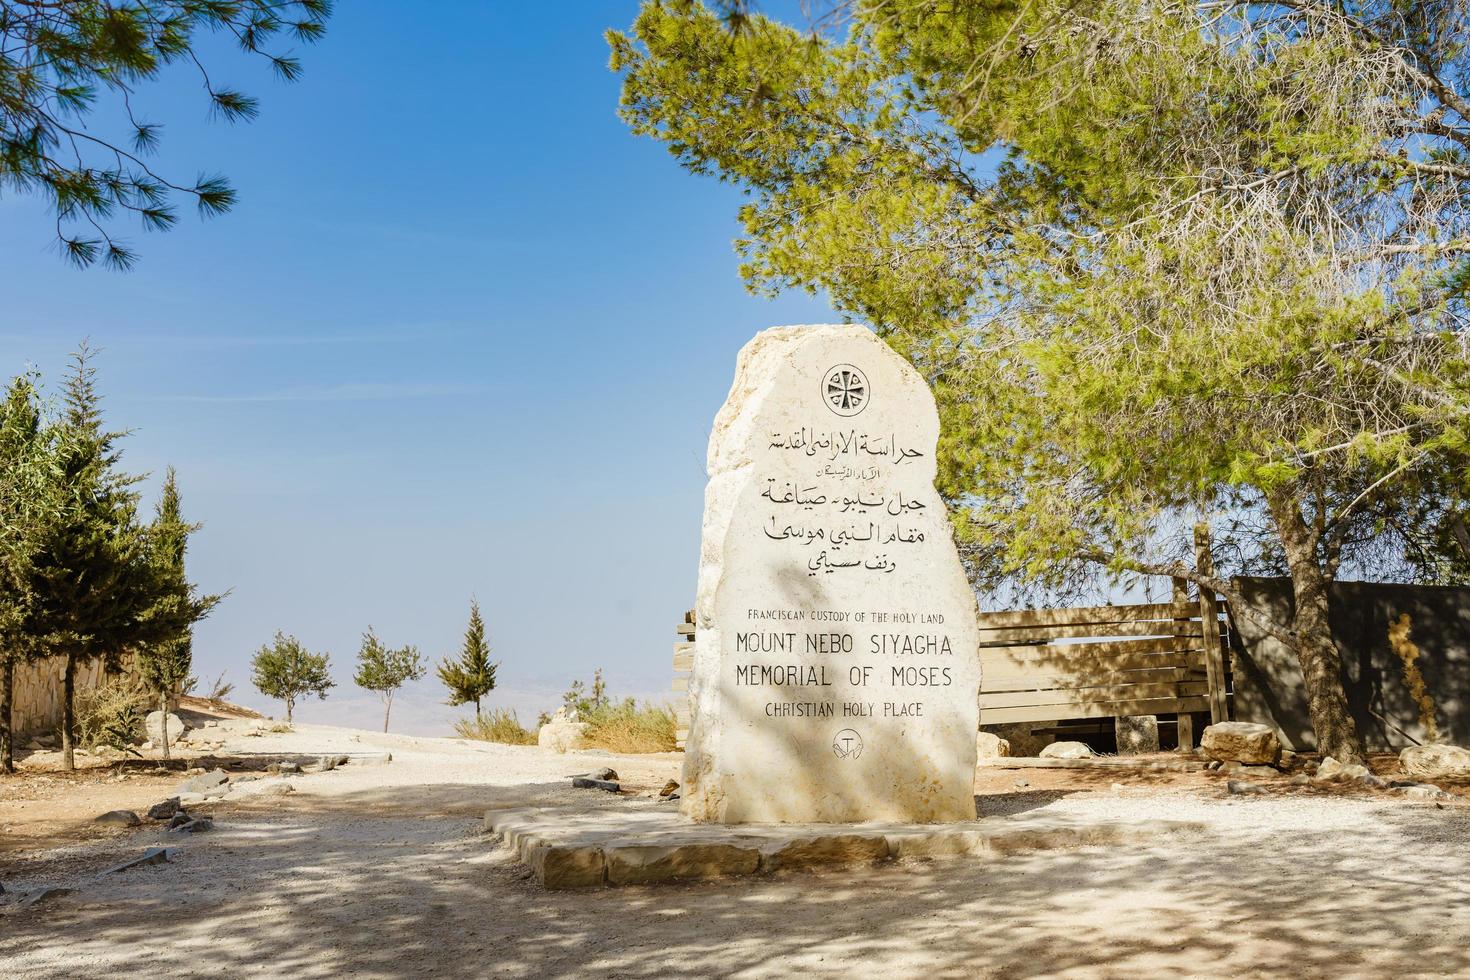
column 1241, row 741
column 1242, row 787
column 1020, row 737
column 126, row 818
column 991, row 746
column 164, row 810
column 1425, row 791
column 153, row 725
column 1436, row 761
column 1067, row 750
column 670, row 788
column 213, row 783
column 1332, row 771
column 562, row 733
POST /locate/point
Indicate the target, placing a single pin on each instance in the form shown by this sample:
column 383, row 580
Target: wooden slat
column 684, row 629
column 1099, row 709
column 1085, row 615
column 1110, row 692
column 1023, row 634
column 683, row 656
column 1078, row 682
column 681, row 683
column 1088, row 666
column 1102, row 648
column 681, row 712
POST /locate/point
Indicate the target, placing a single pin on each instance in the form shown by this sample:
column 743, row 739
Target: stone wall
column 37, row 705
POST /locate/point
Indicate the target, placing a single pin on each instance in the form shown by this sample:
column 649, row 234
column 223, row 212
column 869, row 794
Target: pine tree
column 166, row 658
column 91, row 582
column 27, row 502
column 385, row 671
column 288, row 671
column 472, row 675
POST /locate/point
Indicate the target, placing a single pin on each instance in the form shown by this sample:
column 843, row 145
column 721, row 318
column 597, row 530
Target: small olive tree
column 287, row 671
column 385, row 671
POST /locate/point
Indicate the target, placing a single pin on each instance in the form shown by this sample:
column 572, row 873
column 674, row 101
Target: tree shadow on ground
column 400, row 882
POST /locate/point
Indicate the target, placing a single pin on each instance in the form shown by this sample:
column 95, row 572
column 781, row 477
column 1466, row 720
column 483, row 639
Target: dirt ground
column 383, row 871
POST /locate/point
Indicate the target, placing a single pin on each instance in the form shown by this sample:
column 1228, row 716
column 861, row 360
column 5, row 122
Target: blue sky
column 463, row 335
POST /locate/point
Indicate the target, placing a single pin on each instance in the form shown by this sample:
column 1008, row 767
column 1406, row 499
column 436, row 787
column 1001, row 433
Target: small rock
column 1067, row 750
column 126, row 818
column 583, row 782
column 1425, row 791
column 326, row 764
column 164, row 810
column 991, row 746
column 1230, row 767
column 669, row 787
column 1021, row 783
column 1333, row 771
column 196, row 826
column 153, row 725
column 283, row 767
column 179, row 819
column 147, row 746
column 154, row 855
column 1212, row 765
column 1241, row 741
column 34, row 745
column 1300, row 779
column 1241, row 787
column 207, row 782
column 603, row 773
column 1118, row 787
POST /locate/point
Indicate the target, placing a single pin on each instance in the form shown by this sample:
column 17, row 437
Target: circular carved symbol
column 845, row 389
column 847, row 744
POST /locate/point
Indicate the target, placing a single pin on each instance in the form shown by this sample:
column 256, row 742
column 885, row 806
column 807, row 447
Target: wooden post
column 1209, row 614
column 1185, row 722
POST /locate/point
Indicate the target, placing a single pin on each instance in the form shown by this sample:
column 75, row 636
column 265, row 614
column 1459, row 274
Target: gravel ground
column 381, row 871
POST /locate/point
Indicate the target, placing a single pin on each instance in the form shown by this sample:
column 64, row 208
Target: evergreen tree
column 60, row 61
column 1167, row 266
column 28, row 501
column 165, row 659
column 91, row 583
column 385, row 671
column 472, row 675
column 287, row 671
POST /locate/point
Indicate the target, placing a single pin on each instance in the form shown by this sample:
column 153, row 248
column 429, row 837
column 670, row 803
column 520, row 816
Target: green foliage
column 472, row 675
column 287, row 671
column 165, row 659
column 385, row 671
column 113, row 714
column 498, row 725
column 584, row 702
column 58, row 61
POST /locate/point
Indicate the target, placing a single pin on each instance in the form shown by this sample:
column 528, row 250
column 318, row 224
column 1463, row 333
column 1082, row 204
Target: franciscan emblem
column 845, row 389
column 847, row 744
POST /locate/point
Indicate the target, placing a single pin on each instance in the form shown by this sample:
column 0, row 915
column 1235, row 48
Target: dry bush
column 112, row 714
column 631, row 728
column 499, row 725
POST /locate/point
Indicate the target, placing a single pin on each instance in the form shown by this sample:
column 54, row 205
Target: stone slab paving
column 578, row 849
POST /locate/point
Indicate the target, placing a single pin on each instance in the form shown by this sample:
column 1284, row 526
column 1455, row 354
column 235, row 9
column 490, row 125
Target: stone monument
column 836, row 665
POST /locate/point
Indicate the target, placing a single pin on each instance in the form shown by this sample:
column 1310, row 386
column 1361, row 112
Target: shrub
column 499, row 725
column 113, row 714
column 627, row 727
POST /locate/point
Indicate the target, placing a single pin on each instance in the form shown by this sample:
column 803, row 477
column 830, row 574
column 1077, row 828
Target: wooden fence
column 1103, row 661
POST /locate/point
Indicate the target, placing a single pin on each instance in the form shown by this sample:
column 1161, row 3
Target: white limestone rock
column 1436, row 761
column 153, row 725
column 562, row 733
column 1241, row 741
column 836, row 666
column 1067, row 750
column 991, row 746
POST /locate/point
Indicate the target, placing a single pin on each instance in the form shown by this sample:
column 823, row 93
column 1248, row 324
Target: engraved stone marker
column 836, row 658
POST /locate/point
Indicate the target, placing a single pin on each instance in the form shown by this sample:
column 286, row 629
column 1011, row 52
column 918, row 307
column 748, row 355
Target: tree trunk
column 289, row 705
column 1316, row 647
column 7, row 733
column 387, row 709
column 68, row 713
column 163, row 720
column 477, row 711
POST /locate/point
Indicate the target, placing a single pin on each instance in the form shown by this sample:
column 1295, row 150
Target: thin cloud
column 360, row 392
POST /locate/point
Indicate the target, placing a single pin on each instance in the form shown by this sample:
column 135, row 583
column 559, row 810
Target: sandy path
column 382, row 872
